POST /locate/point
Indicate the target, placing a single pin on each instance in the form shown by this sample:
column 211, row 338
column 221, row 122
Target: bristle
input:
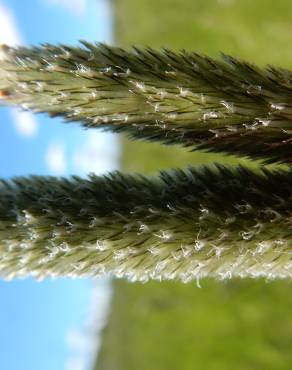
column 185, row 98
column 183, row 225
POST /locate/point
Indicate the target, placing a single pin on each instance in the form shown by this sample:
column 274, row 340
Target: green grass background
column 234, row 325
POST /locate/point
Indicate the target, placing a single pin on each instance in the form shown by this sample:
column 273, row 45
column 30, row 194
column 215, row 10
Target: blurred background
column 116, row 325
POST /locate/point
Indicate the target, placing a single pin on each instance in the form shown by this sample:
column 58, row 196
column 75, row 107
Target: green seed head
column 218, row 105
column 184, row 225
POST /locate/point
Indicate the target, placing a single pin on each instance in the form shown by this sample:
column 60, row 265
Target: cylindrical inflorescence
column 182, row 225
column 224, row 106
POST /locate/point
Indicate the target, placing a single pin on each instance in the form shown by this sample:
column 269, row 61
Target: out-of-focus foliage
column 222, row 326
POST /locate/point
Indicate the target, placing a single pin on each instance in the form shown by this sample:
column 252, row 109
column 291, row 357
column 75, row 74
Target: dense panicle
column 223, row 106
column 182, row 225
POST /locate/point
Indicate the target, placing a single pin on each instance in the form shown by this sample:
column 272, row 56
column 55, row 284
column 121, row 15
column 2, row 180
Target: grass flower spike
column 218, row 105
column 183, row 225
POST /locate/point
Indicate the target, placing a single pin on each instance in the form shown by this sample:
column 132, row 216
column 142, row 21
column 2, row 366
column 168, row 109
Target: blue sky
column 48, row 325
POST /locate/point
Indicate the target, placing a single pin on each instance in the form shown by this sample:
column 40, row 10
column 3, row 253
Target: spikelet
column 218, row 105
column 182, row 225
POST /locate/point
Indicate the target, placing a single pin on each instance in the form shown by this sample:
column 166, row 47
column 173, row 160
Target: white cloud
column 55, row 158
column 77, row 7
column 24, row 122
column 99, row 154
column 76, row 340
column 9, row 33
column 75, row 363
column 81, row 349
column 83, row 343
